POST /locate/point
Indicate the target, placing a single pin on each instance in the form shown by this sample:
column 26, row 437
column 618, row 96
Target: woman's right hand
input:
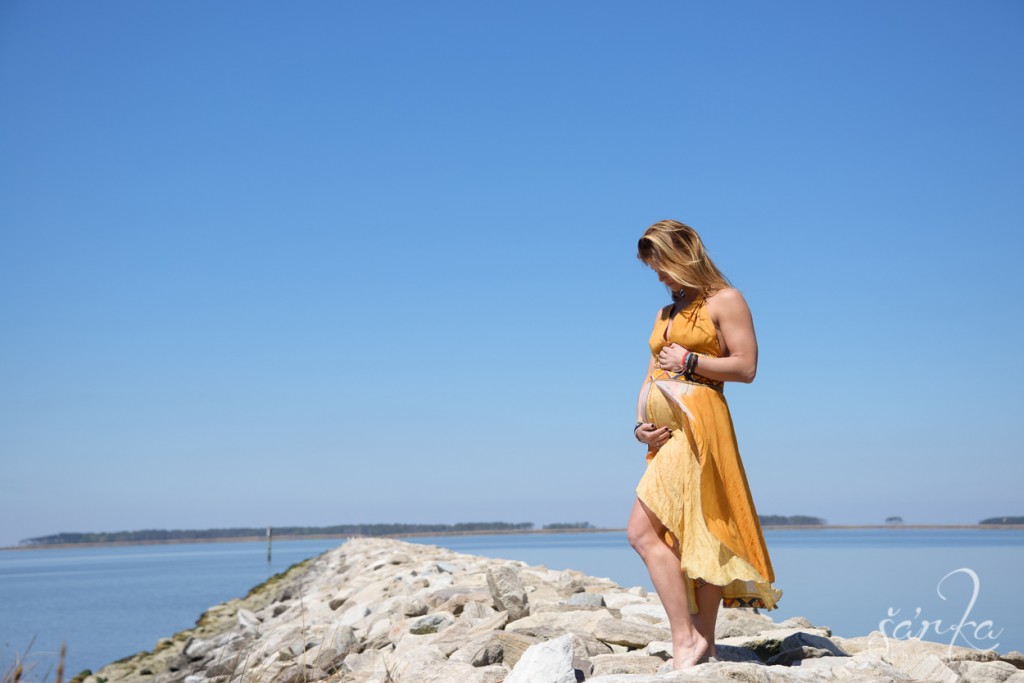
column 655, row 437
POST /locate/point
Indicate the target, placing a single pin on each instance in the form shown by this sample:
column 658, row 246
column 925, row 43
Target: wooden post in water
column 270, row 537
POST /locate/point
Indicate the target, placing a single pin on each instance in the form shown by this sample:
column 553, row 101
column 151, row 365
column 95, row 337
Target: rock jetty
column 384, row 611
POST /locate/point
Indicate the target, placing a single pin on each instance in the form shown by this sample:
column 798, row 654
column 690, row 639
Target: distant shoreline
column 499, row 532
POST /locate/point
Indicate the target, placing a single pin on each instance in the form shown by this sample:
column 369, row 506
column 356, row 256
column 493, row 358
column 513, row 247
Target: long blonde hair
column 677, row 250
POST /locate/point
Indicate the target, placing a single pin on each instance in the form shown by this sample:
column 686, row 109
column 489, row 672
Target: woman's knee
column 640, row 533
column 634, row 535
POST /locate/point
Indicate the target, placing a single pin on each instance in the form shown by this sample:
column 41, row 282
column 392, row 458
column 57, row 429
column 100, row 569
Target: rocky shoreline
column 383, row 611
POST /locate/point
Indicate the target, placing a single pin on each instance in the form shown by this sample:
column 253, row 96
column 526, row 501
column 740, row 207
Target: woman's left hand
column 671, row 357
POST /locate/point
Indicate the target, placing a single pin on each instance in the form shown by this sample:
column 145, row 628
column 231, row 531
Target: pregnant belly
column 665, row 404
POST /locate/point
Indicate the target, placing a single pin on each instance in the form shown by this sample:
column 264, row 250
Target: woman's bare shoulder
column 726, row 299
column 726, row 294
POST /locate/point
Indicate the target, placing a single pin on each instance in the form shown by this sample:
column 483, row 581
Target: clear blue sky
column 329, row 262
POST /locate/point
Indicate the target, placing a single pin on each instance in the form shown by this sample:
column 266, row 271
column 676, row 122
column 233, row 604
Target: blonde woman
column 694, row 522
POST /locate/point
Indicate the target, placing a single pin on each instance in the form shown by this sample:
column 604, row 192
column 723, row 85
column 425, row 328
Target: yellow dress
column 695, row 484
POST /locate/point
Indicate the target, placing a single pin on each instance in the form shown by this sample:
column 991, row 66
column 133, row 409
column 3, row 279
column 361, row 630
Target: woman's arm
column 731, row 315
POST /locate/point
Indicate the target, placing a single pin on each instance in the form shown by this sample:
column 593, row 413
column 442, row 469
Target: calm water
column 107, row 603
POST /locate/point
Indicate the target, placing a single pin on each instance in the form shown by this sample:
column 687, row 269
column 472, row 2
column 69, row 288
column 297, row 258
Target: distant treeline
column 791, row 520
column 1003, row 520
column 169, row 535
column 172, row 535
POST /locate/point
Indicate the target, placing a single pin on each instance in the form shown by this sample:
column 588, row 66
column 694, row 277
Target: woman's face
column 664, row 278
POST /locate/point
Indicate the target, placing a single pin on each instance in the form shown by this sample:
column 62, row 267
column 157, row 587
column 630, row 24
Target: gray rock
column 458, row 601
column 626, row 664
column 415, row 608
column 336, row 603
column 741, row 622
column 801, row 638
column 983, row 672
column 462, row 632
column 797, row 654
column 793, row 622
column 547, row 662
column 1015, row 657
column 513, row 646
column 586, row 599
column 432, row 623
column 297, row 673
column 332, row 652
column 196, row 649
column 494, row 648
column 378, row 634
column 731, row 653
column 446, row 567
column 474, row 611
column 507, row 591
column 224, row 668
column 618, row 599
column 491, row 652
column 586, row 645
column 662, row 649
column 766, row 644
column 248, row 620
column 583, row 668
column 178, row 662
column 570, row 582
column 628, row 633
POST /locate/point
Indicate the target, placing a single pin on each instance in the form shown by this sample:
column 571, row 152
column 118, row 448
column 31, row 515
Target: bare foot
column 691, row 652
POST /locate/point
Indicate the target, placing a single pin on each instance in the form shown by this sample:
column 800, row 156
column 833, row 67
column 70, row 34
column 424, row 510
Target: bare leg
column 709, row 597
column 646, row 534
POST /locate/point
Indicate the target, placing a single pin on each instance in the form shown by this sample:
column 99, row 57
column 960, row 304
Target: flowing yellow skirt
column 695, row 484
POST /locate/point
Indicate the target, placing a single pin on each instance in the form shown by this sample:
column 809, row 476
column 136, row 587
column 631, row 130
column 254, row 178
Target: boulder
column 982, row 672
column 508, row 591
column 547, row 662
column 629, row 633
column 586, row 600
column 645, row 614
column 625, row 664
column 431, row 623
column 493, row 648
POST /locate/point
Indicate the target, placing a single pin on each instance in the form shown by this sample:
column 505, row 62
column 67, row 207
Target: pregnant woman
column 694, row 522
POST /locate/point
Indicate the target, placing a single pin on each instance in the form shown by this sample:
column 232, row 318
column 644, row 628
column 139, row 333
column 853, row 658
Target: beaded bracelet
column 689, row 365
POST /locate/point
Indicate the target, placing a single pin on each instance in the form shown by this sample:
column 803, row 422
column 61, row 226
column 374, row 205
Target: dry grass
column 24, row 671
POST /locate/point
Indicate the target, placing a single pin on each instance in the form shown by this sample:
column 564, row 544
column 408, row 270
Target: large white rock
column 547, row 662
